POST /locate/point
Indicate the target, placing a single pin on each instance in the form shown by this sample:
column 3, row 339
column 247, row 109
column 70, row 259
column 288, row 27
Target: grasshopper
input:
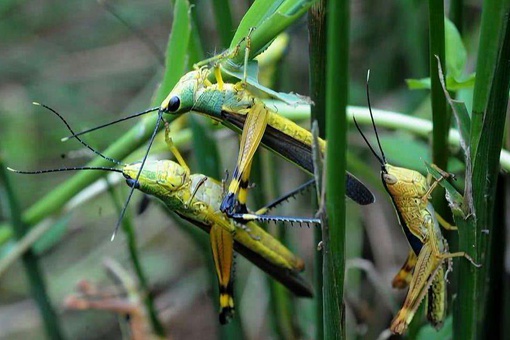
column 196, row 198
column 234, row 106
column 410, row 192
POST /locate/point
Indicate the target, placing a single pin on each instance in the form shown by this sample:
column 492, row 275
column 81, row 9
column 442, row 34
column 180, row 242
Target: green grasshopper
column 196, row 198
column 410, row 192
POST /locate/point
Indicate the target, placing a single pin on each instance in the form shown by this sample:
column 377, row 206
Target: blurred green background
column 76, row 57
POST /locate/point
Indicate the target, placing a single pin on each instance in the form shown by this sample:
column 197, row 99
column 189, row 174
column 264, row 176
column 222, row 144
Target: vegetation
column 95, row 63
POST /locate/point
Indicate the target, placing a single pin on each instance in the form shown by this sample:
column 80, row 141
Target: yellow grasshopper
column 410, row 192
column 197, row 198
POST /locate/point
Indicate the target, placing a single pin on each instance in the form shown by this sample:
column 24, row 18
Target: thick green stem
column 336, row 133
column 488, row 121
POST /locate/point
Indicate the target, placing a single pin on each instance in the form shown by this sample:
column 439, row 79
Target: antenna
column 134, row 115
column 372, row 117
column 383, row 159
column 37, row 172
column 134, row 184
column 78, row 138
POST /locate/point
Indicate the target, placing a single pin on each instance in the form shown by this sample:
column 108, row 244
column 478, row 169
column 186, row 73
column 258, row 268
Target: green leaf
column 430, row 333
column 258, row 12
column 269, row 18
column 461, row 115
column 175, row 64
column 455, row 52
column 452, row 84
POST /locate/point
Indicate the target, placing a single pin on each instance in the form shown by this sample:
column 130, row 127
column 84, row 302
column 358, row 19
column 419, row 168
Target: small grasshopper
column 196, row 198
column 410, row 192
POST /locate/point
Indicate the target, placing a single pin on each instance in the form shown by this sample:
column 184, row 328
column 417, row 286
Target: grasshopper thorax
column 182, row 97
column 156, row 177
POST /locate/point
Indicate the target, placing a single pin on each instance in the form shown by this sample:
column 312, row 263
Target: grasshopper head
column 182, row 97
column 403, row 182
column 157, row 178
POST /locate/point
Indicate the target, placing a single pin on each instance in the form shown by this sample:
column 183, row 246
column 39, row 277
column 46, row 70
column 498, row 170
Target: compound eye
column 173, row 104
column 389, row 179
column 133, row 183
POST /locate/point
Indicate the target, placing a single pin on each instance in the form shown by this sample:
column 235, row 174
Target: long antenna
column 123, row 212
column 78, row 138
column 372, row 117
column 382, row 160
column 134, row 115
column 45, row 171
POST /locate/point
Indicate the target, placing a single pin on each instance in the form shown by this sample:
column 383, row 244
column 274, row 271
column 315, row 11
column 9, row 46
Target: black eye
column 133, row 183
column 173, row 104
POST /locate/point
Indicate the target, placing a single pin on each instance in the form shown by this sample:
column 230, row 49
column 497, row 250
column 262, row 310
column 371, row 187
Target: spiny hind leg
column 426, row 269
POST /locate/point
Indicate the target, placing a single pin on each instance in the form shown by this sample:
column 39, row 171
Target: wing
column 253, row 130
column 404, row 275
column 295, row 145
column 267, row 253
column 425, row 272
column 222, row 245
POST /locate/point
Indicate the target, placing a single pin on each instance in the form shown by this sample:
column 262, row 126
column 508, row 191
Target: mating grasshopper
column 410, row 192
column 238, row 109
column 196, row 198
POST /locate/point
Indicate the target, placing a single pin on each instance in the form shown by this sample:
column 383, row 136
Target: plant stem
column 336, row 132
column 30, row 263
column 129, row 230
column 317, row 51
column 487, row 127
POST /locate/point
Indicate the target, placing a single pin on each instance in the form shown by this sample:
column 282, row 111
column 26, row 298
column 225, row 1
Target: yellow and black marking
column 253, row 130
column 404, row 275
column 222, row 245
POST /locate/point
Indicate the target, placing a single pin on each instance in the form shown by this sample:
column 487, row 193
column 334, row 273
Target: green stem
column 457, row 14
column 440, row 114
column 129, row 230
column 488, row 121
column 30, row 263
column 317, row 51
column 488, row 49
column 336, row 133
